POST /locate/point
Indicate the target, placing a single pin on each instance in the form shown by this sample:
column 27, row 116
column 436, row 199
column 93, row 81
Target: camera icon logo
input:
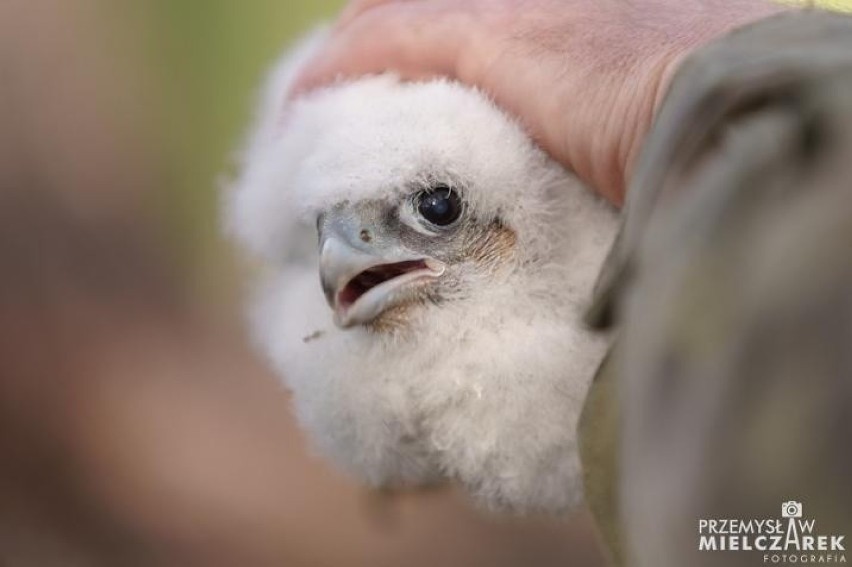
column 791, row 509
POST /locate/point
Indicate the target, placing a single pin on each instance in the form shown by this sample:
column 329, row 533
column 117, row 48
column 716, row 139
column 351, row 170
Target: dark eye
column 440, row 206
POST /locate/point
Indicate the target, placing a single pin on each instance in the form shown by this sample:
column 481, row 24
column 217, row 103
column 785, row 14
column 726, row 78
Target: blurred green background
column 205, row 61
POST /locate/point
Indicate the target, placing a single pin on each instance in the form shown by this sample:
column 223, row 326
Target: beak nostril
column 365, row 235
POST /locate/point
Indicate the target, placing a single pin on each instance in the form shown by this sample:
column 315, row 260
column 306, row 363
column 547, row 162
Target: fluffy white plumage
column 484, row 386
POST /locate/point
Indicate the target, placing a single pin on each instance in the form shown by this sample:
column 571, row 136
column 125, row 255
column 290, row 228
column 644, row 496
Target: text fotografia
column 789, row 539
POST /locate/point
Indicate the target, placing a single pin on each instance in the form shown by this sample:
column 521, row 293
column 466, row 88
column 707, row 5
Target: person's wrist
column 615, row 120
column 662, row 72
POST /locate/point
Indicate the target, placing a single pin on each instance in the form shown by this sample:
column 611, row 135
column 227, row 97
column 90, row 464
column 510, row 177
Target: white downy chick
column 426, row 272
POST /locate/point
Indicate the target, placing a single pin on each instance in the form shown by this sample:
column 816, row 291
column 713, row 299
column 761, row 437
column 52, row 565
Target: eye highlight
column 440, row 206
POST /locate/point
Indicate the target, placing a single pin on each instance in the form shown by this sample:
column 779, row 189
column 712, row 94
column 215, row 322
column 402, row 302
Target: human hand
column 584, row 77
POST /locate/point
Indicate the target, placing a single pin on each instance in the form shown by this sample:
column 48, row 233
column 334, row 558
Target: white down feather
column 485, row 390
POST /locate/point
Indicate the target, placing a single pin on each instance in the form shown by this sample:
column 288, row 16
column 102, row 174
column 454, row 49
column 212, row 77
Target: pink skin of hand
column 584, row 77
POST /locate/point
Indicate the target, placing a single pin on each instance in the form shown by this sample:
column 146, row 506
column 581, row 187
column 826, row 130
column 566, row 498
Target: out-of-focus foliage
column 203, row 63
column 842, row 5
column 835, row 4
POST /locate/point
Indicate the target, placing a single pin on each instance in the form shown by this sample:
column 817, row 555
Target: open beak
column 359, row 285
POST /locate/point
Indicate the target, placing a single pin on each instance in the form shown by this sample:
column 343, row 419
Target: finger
column 357, row 7
column 410, row 39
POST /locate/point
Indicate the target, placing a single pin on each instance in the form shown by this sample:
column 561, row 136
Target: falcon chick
column 426, row 271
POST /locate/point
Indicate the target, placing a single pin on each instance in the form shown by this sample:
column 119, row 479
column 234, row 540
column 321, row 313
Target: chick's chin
column 403, row 317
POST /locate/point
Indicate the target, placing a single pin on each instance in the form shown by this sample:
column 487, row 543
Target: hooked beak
column 359, row 286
